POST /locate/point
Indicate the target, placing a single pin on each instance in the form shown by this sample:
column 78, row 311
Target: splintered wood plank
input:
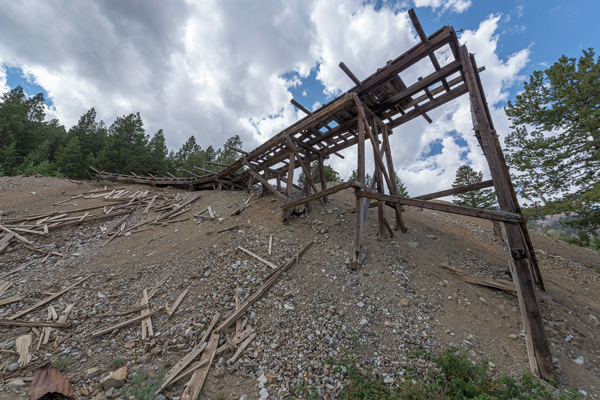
column 241, row 349
column 146, row 323
column 8, row 300
column 269, row 263
column 4, row 287
column 171, row 310
column 23, row 345
column 501, row 284
column 156, row 287
column 5, row 241
column 181, row 364
column 31, row 324
column 238, row 323
column 125, row 323
column 264, row 287
column 237, row 339
column 270, row 244
column 192, row 391
column 48, row 299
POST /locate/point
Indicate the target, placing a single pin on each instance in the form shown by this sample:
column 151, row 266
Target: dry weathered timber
column 507, row 286
column 125, row 323
column 192, row 391
column 264, row 287
column 38, row 324
column 458, row 190
column 322, row 193
column 8, row 300
column 538, row 349
column 5, row 241
column 502, row 216
column 171, row 309
column 267, row 185
column 181, row 364
column 48, row 299
column 241, row 349
column 269, row 263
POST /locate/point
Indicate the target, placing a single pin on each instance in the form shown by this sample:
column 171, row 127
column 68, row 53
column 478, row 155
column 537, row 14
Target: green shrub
column 141, row 386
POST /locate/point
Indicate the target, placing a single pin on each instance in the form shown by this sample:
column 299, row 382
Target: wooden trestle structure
column 369, row 112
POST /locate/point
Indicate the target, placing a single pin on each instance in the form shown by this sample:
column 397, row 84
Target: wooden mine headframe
column 369, row 112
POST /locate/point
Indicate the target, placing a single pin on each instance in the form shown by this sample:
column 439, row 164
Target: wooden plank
column 502, row 216
column 146, row 323
column 322, row 193
column 538, row 349
column 8, row 300
column 241, row 349
column 37, row 324
column 267, row 185
column 192, row 391
column 390, row 165
column 458, row 190
column 269, row 263
column 28, row 263
column 507, row 286
column 264, row 287
column 181, row 364
column 349, row 73
column 125, row 323
column 171, row 310
column 48, row 299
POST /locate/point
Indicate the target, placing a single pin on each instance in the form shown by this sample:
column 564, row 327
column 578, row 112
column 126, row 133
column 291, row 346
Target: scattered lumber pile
column 149, row 210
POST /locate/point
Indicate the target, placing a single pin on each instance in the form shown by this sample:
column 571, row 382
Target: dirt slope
column 401, row 300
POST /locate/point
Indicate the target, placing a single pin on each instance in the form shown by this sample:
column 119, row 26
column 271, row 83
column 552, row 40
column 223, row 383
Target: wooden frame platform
column 368, row 113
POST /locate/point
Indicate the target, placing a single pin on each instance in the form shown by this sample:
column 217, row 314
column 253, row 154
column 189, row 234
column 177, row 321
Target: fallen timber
column 368, row 113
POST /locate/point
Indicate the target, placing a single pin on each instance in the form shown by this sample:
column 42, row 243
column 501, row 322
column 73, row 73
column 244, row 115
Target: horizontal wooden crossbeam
column 502, row 216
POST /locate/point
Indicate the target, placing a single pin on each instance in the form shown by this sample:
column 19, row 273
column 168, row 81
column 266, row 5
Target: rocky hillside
column 402, row 299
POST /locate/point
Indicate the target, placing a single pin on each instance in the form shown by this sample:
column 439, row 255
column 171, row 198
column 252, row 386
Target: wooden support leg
column 390, row 165
column 538, row 350
column 290, row 180
column 356, row 249
column 322, row 176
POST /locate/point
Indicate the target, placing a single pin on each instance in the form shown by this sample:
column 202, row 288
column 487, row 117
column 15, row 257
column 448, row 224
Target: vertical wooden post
column 307, row 176
column 356, row 250
column 523, row 225
column 378, row 176
column 538, row 350
column 290, row 180
column 322, row 175
column 390, row 165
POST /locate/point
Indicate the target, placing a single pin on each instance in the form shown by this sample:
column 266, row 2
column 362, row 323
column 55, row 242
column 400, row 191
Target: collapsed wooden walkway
column 369, row 112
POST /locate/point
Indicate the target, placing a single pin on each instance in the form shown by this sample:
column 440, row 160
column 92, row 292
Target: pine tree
column 483, row 198
column 158, row 154
column 556, row 139
column 400, row 187
column 331, row 175
column 69, row 160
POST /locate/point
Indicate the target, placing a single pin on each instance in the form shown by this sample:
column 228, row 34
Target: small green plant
column 62, row 364
column 304, row 392
column 141, row 386
column 220, row 397
column 118, row 362
column 455, row 377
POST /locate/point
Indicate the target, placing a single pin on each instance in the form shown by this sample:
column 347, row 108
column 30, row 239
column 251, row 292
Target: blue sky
column 213, row 68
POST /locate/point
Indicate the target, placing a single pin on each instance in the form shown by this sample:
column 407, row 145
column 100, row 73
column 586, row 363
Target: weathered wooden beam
column 264, row 287
column 538, row 349
column 424, row 39
column 266, row 184
column 458, row 190
column 502, row 216
column 316, row 196
column 350, row 74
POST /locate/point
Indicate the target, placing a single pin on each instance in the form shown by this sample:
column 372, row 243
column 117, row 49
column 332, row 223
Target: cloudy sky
column 214, row 69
